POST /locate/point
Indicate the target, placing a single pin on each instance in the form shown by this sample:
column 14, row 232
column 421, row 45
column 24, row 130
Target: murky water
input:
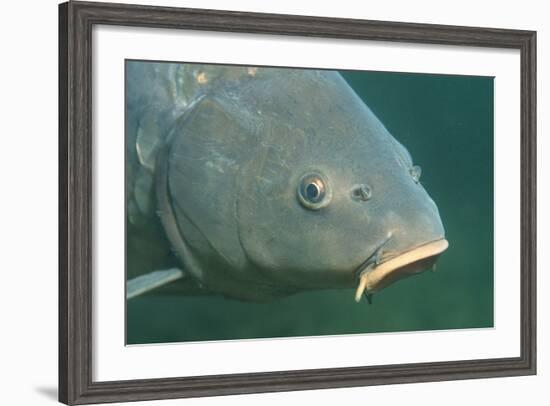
column 446, row 122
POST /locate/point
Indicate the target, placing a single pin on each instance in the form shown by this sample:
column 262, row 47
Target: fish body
column 271, row 181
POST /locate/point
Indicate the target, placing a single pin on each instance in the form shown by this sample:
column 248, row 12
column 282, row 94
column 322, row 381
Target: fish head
column 332, row 199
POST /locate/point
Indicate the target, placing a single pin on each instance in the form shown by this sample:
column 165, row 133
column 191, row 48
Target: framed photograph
column 257, row 202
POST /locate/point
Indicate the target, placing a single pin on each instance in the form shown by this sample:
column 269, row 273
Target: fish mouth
column 374, row 276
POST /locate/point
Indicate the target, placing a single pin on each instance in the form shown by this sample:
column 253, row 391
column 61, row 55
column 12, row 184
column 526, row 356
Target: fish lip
column 373, row 278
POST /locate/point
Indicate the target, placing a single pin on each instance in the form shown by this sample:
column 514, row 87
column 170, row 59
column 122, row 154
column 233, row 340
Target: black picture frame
column 76, row 20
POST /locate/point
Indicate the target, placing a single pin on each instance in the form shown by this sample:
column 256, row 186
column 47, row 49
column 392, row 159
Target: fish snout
column 379, row 275
column 415, row 238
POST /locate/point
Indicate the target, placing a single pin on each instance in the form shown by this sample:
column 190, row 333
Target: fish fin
column 150, row 132
column 154, row 100
column 152, row 280
column 143, row 191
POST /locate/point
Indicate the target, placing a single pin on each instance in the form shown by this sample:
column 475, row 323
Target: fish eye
column 314, row 191
column 416, row 172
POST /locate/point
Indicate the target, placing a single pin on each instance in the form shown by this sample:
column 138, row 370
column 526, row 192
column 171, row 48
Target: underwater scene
column 283, row 202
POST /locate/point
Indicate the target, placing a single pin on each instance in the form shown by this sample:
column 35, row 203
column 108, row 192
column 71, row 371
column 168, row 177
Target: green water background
column 446, row 123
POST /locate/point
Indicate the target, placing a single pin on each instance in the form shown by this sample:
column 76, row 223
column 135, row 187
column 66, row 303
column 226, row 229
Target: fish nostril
column 361, row 192
column 416, row 172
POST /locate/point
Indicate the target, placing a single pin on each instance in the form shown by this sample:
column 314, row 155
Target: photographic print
column 269, row 202
column 279, row 195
